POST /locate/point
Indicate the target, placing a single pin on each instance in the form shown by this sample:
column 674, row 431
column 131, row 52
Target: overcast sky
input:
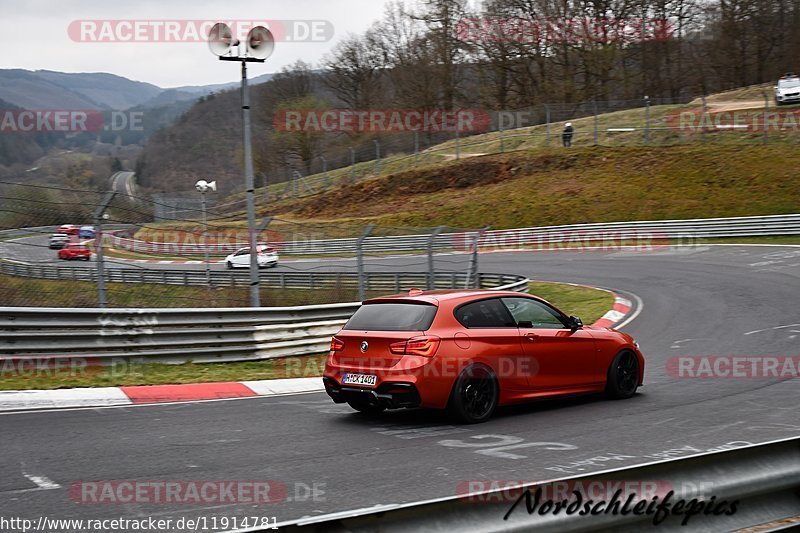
column 35, row 34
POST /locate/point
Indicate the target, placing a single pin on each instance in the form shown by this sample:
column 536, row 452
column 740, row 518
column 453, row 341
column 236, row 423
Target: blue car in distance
column 86, row 232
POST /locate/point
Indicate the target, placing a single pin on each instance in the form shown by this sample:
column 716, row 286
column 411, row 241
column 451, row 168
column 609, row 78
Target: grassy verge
column 590, row 304
column 587, row 303
column 16, row 291
column 161, row 374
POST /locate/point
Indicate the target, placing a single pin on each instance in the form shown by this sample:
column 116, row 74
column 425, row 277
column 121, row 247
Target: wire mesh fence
column 53, row 234
column 745, row 116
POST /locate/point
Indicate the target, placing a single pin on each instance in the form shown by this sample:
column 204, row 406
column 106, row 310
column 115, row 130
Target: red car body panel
column 528, row 362
column 75, row 251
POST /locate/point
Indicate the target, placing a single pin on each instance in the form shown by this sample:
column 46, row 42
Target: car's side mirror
column 525, row 324
column 575, row 323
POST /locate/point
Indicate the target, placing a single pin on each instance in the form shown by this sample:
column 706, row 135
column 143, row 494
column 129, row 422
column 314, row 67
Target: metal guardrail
column 373, row 281
column 764, row 479
column 196, row 335
column 638, row 230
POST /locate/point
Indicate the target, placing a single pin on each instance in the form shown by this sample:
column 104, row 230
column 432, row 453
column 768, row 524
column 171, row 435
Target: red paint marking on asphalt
column 187, row 392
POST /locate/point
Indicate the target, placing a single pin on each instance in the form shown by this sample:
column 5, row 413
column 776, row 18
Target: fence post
column 502, row 145
column 99, row 214
column 360, row 262
column 431, row 270
column 703, row 118
column 647, row 120
column 472, row 272
column 594, row 110
column 458, row 145
column 377, row 157
column 416, row 148
column 547, row 120
column 352, row 165
column 325, row 171
column 766, row 117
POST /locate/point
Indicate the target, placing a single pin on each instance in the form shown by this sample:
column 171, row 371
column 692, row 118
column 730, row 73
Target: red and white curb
column 622, row 308
column 23, row 400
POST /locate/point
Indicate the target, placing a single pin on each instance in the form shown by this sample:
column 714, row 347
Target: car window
column 540, row 315
column 243, row 251
column 395, row 316
column 489, row 313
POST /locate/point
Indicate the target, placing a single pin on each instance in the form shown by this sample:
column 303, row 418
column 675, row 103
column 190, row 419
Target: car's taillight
column 337, row 345
column 425, row 345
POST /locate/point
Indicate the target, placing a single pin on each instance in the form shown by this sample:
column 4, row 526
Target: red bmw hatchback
column 470, row 351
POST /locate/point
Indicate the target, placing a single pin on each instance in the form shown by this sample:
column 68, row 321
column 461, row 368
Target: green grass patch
column 585, row 302
column 161, row 374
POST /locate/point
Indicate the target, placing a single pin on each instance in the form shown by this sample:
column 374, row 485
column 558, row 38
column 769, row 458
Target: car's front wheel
column 368, row 408
column 475, row 395
column 623, row 375
column 229, row 265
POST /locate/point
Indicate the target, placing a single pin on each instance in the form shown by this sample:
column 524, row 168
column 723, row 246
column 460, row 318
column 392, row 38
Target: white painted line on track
column 637, row 311
column 41, row 482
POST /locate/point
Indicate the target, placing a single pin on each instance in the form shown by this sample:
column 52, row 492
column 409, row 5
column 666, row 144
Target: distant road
column 124, row 183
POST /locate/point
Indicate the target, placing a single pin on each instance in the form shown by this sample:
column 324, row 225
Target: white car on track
column 788, row 90
column 267, row 257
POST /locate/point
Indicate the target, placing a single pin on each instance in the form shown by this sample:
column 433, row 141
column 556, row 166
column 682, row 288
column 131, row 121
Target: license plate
column 360, row 379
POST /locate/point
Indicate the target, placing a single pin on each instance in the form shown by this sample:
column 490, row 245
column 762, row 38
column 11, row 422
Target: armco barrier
column 373, row 281
column 764, row 479
column 638, row 230
column 181, row 335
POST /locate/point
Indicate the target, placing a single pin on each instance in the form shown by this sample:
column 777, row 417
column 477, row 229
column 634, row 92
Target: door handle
column 531, row 336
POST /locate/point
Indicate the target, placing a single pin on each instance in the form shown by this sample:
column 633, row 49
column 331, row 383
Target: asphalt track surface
column 722, row 300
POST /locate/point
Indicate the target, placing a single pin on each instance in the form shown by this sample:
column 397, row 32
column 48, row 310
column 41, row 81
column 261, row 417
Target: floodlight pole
column 205, row 238
column 255, row 297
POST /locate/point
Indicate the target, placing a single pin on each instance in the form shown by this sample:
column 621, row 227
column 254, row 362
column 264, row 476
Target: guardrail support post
column 647, row 120
column 360, row 262
column 766, row 117
column 431, row 269
column 98, row 245
column 472, row 272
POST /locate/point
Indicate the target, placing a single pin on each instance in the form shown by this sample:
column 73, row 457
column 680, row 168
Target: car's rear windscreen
column 392, row 317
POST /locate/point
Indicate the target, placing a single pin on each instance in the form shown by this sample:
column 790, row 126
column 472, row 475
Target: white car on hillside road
column 267, row 257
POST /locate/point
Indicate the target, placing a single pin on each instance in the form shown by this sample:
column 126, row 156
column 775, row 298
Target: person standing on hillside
column 566, row 136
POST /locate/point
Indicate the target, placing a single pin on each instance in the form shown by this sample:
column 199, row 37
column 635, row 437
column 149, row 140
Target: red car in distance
column 69, row 229
column 75, row 250
column 469, row 351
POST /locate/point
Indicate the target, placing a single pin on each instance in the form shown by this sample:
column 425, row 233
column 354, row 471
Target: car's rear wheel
column 623, row 375
column 366, row 407
column 475, row 395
